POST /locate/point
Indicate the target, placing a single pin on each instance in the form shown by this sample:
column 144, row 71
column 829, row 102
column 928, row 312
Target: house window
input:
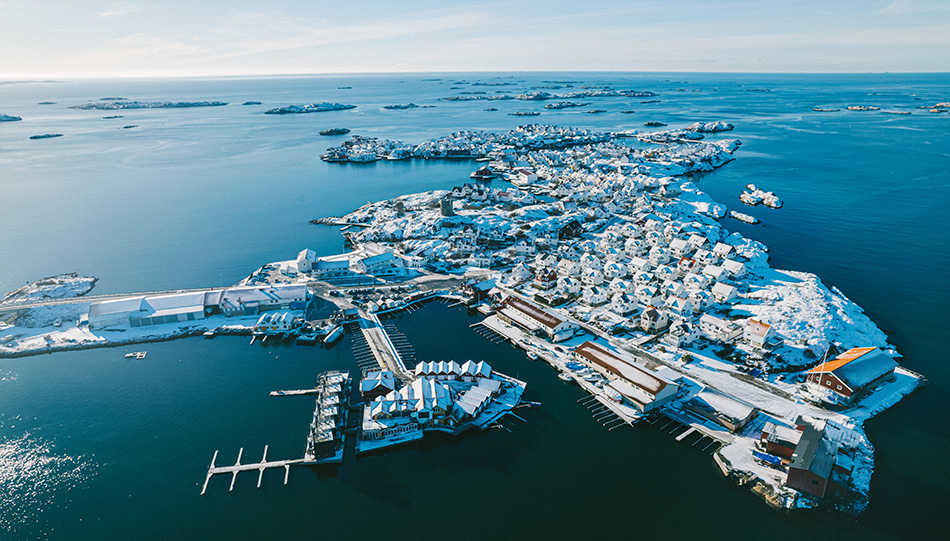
column 814, row 481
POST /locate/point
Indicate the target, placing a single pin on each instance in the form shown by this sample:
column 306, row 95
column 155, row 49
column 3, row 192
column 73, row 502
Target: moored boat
column 335, row 333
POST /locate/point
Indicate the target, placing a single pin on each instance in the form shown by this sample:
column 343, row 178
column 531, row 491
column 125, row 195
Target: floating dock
column 238, row 467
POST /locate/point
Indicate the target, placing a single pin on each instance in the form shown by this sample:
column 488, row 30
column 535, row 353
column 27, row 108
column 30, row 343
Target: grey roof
column 865, row 369
column 814, row 452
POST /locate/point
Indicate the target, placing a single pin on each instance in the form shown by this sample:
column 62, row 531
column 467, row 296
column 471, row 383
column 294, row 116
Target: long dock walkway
column 238, row 467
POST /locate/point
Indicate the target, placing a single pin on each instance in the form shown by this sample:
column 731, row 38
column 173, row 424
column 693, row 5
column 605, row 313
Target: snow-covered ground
column 61, row 286
column 19, row 340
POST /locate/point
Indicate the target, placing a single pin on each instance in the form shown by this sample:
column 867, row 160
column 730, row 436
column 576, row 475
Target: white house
column 723, row 293
column 698, row 242
column 274, row 322
column 613, row 254
column 700, row 299
column 615, row 269
column 521, row 273
column 665, row 273
column 638, row 264
column 722, row 250
column 568, row 286
column 479, row 260
column 635, row 247
column 718, row 330
column 683, row 266
column 566, row 267
column 621, row 286
column 696, row 281
column 659, row 255
column 385, row 263
column 716, row 273
column 653, row 319
column 679, row 306
column 594, row 296
column 670, row 288
column 679, row 247
column 647, row 296
column 654, row 238
column 591, row 261
column 524, row 177
column 623, row 305
column 681, row 333
column 736, row 269
column 592, row 277
column 757, row 333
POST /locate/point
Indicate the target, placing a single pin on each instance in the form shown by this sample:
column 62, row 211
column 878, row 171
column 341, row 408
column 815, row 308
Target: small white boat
column 136, row 354
column 533, row 356
column 335, row 333
column 564, row 376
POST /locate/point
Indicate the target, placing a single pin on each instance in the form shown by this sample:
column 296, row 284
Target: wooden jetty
column 238, row 467
column 295, row 392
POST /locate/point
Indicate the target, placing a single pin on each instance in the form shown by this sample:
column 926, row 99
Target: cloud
column 913, row 7
column 120, row 10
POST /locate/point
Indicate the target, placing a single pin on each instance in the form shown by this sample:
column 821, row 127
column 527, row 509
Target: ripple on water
column 32, row 475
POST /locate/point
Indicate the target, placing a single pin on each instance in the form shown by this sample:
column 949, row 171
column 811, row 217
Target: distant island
column 9, row 118
column 120, row 103
column 309, row 108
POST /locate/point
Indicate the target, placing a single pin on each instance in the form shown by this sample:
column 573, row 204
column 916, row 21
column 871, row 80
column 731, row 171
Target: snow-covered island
column 603, row 262
column 308, row 108
column 597, row 258
column 61, row 286
column 540, row 95
column 9, row 118
column 121, row 103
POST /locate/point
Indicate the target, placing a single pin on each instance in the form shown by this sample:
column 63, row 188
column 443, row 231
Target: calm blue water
column 92, row 444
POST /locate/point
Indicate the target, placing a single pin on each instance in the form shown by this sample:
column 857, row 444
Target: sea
column 94, row 445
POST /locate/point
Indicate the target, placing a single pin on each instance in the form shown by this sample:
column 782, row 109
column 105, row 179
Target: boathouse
column 377, row 383
column 817, row 468
column 731, row 413
column 851, row 373
column 639, row 388
column 274, row 322
column 536, row 320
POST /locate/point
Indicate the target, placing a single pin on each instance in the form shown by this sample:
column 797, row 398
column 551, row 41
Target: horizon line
column 50, row 77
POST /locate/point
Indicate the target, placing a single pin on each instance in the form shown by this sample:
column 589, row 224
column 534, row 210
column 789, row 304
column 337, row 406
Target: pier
column 238, row 467
column 382, row 347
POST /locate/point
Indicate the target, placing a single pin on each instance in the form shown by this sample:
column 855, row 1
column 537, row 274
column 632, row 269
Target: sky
column 103, row 38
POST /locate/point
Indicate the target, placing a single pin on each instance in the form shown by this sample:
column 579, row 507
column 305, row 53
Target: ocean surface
column 93, row 445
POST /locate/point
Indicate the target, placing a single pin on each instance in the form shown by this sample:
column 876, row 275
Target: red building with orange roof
column 848, row 375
